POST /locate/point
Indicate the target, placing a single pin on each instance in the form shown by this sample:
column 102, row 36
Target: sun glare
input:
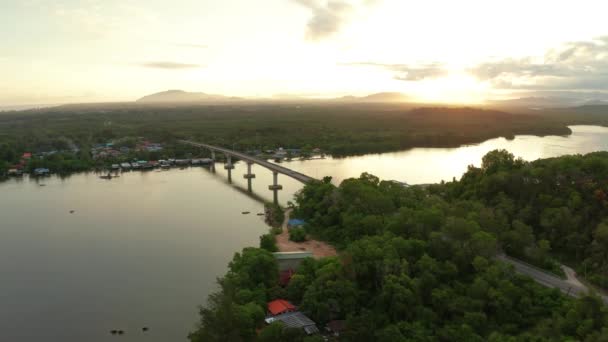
column 456, row 88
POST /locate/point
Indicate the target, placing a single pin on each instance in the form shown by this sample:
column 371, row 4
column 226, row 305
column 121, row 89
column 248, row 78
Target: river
column 144, row 249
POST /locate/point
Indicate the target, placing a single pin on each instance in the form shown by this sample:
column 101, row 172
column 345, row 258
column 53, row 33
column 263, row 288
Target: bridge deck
column 242, row 156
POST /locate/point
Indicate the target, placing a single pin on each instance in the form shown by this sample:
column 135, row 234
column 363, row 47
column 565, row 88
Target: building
column 290, row 260
column 295, row 320
column 280, row 306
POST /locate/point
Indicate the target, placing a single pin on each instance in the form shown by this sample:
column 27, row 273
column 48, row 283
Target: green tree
column 297, row 234
column 253, row 267
column 268, row 242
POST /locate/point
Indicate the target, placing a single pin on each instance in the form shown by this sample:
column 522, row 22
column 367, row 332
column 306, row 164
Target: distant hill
column 378, row 97
column 180, row 96
column 555, row 99
column 540, row 102
column 184, row 96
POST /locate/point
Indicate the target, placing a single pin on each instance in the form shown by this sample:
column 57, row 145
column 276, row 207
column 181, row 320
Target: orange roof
column 279, row 306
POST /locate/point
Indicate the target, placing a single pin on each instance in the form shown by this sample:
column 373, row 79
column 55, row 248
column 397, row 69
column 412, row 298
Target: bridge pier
column 229, row 167
column 249, row 176
column 213, row 161
column 275, row 187
column 276, row 169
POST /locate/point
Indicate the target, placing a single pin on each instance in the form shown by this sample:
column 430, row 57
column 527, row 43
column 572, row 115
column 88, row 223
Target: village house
column 283, row 311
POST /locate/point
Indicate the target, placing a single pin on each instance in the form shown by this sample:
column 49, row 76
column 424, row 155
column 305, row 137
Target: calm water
column 431, row 165
column 145, row 249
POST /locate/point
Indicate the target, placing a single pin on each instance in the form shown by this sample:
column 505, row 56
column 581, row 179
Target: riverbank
column 319, row 249
column 339, row 130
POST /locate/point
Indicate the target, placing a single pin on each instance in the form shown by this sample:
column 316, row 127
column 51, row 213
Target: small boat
column 41, row 171
column 245, row 212
column 261, row 214
column 71, row 211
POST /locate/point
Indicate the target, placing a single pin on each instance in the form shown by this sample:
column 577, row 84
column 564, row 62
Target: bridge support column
column 213, row 161
column 275, row 187
column 249, row 176
column 229, row 167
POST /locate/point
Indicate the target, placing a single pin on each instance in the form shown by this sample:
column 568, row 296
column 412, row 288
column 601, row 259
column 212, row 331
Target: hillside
column 183, row 96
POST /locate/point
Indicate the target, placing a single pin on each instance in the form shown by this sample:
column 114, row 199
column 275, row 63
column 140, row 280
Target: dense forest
column 556, row 206
column 338, row 129
column 417, row 263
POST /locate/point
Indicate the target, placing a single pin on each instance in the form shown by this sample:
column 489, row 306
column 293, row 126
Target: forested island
column 338, row 129
column 418, row 263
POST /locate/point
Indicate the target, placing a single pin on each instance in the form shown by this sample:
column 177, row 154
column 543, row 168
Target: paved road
column 570, row 287
column 274, row 167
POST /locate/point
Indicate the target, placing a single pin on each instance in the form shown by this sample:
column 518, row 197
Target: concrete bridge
column 250, row 160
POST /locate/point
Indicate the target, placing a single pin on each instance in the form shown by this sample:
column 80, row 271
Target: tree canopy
column 418, row 263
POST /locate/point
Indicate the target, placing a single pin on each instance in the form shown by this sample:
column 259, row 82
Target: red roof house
column 279, row 306
column 27, row 155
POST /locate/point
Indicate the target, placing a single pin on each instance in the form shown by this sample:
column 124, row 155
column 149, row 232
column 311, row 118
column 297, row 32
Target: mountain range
column 532, row 100
column 181, row 96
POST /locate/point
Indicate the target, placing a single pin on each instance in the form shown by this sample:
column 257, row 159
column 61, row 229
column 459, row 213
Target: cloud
column 329, row 16
column 405, row 72
column 579, row 65
column 170, row 65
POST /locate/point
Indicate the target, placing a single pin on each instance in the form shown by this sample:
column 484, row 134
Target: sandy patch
column 319, row 249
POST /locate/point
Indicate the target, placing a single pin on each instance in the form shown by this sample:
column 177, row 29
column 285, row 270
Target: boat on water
column 41, row 171
column 15, row 173
column 147, row 166
column 115, row 167
column 125, row 166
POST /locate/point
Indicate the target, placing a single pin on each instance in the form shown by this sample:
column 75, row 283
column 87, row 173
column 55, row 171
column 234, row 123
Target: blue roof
column 296, row 222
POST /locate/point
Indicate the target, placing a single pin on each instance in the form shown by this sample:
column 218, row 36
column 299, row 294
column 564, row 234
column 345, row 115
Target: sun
column 456, row 87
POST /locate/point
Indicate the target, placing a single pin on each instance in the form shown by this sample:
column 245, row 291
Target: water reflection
column 431, row 165
column 140, row 250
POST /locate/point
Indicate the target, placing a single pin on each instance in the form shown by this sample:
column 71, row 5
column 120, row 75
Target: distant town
column 138, row 154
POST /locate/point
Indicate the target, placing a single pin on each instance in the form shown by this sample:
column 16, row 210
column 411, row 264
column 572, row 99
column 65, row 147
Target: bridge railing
column 274, row 167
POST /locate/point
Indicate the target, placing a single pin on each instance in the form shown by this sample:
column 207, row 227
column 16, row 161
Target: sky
column 468, row 51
